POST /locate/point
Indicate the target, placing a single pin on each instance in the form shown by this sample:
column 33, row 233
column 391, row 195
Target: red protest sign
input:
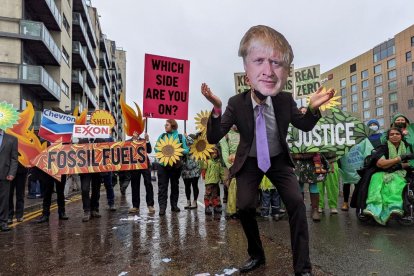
column 166, row 87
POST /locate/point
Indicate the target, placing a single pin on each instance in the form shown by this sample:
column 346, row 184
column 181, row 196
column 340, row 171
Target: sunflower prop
column 169, row 150
column 201, row 121
column 8, row 115
column 201, row 149
column 330, row 104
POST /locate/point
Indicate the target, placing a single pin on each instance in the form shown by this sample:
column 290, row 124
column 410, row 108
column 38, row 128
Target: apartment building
column 50, row 54
column 378, row 83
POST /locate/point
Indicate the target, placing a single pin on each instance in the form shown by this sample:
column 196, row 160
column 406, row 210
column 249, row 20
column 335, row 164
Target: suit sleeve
column 304, row 122
column 218, row 127
column 14, row 157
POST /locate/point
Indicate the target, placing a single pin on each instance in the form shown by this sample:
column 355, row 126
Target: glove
column 406, row 157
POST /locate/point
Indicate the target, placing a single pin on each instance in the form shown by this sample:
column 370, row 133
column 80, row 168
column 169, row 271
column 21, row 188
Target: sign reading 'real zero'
column 166, row 87
column 91, row 131
column 102, row 118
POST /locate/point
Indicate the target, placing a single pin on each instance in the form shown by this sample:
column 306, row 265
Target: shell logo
column 102, row 118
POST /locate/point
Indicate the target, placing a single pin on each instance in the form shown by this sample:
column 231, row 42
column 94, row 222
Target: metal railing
column 38, row 75
column 55, row 11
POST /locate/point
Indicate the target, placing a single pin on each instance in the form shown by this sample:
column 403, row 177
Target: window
column 384, row 50
column 343, row 83
column 391, row 63
column 392, row 97
column 379, row 101
column 354, row 98
column 412, row 66
column 66, row 24
column 344, row 108
column 343, row 92
column 367, row 114
column 393, row 108
column 354, row 88
column 378, row 90
column 412, row 41
column 364, row 84
column 65, row 88
column 392, row 74
column 408, row 56
column 392, row 85
column 343, row 101
column 364, row 74
column 65, row 55
column 379, row 111
column 365, row 104
column 377, row 69
column 352, row 68
column 410, row 80
column 355, row 107
column 353, row 79
column 378, row 79
column 365, row 94
column 410, row 103
column 381, row 121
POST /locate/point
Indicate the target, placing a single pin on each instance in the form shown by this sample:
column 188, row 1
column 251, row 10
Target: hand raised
column 321, row 96
column 208, row 94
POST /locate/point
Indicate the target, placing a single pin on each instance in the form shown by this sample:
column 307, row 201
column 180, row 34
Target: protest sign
column 307, row 81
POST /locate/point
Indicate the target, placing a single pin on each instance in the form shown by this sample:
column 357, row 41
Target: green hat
column 398, row 115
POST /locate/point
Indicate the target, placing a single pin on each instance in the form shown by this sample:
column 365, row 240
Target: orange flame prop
column 28, row 143
column 132, row 122
column 80, row 119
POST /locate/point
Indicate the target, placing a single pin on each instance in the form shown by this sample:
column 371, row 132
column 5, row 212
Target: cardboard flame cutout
column 80, row 118
column 132, row 121
column 28, row 142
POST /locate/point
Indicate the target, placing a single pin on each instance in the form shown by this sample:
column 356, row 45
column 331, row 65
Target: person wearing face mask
column 374, row 138
column 400, row 121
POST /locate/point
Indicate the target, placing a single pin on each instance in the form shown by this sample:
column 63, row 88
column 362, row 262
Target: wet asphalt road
column 189, row 243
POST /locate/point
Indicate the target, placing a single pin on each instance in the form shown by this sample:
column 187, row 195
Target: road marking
column 201, row 204
column 37, row 213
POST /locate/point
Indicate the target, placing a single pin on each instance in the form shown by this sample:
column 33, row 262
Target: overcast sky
column 325, row 32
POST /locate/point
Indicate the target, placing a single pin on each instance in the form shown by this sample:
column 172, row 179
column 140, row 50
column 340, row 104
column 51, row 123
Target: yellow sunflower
column 169, row 150
column 329, row 105
column 201, row 120
column 201, row 149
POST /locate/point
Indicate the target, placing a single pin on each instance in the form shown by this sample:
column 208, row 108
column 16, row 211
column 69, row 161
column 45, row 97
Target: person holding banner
column 8, row 169
column 168, row 173
column 262, row 116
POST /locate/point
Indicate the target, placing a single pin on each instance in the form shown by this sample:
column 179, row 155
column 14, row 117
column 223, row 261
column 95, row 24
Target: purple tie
column 263, row 158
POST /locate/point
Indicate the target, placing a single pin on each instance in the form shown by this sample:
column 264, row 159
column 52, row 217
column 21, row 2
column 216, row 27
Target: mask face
column 400, row 125
column 374, row 127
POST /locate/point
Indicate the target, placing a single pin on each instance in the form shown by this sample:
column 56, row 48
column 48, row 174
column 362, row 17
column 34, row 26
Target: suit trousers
column 18, row 184
column 4, row 201
column 136, row 187
column 282, row 175
column 165, row 175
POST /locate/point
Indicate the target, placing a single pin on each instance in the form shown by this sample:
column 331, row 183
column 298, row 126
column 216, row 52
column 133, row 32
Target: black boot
column 43, row 219
column 63, row 216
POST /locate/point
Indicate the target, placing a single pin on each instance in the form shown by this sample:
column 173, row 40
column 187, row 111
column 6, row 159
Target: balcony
column 102, row 77
column 106, row 96
column 103, row 61
column 91, row 78
column 91, row 97
column 78, row 28
column 79, row 60
column 78, row 81
column 47, row 12
column 35, row 78
column 81, row 7
column 38, row 38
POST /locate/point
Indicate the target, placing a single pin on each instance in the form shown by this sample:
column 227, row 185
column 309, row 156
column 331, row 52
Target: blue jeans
column 270, row 202
column 110, row 195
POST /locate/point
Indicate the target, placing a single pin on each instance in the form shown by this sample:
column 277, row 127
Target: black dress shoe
column 175, row 209
column 252, row 264
column 10, row 221
column 4, row 228
column 63, row 216
column 43, row 219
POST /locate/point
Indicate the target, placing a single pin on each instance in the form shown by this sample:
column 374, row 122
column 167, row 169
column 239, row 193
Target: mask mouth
column 374, row 128
column 259, row 95
column 400, row 125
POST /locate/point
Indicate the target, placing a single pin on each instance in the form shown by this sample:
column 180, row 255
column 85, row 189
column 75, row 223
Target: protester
column 374, row 138
column 170, row 174
column 267, row 57
column 270, row 199
column 214, row 174
column 190, row 174
column 330, row 185
column 136, row 180
column 19, row 185
column 8, row 168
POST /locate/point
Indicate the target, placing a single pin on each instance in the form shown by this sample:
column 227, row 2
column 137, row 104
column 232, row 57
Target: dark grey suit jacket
column 239, row 111
column 8, row 156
